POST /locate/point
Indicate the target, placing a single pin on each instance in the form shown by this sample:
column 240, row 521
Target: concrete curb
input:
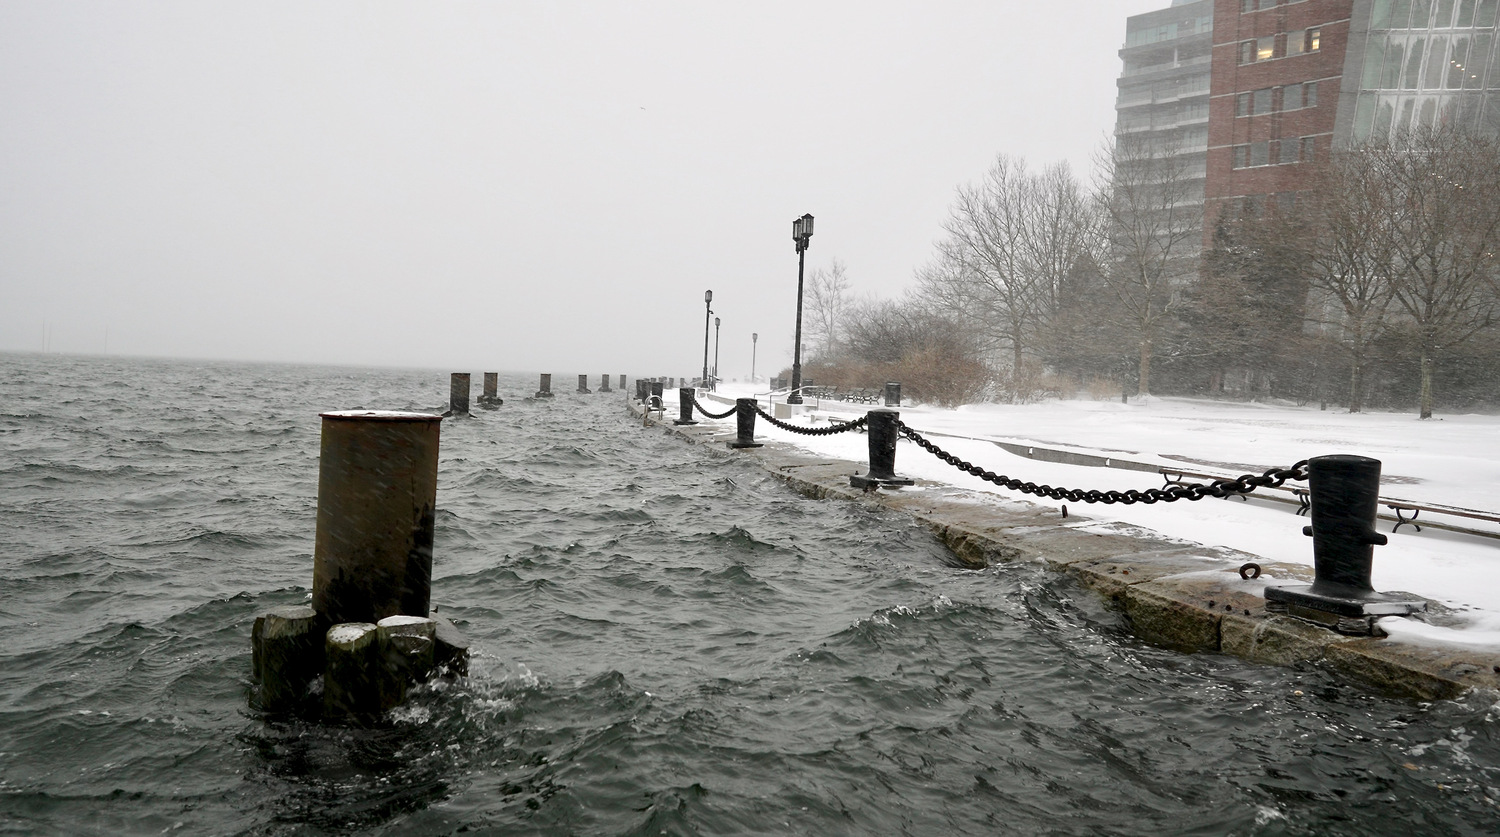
column 1183, row 596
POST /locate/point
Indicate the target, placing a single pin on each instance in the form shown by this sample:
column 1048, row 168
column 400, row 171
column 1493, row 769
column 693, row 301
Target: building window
column 1252, row 154
column 1247, row 6
column 1263, row 100
column 1307, row 149
column 1311, row 39
column 1260, row 49
column 1242, row 104
column 1310, row 94
column 1287, row 151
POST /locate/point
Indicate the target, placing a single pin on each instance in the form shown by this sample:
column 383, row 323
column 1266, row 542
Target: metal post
column 893, row 393
column 685, row 397
column 1344, row 499
column 583, row 385
column 716, row 353
column 377, row 495
column 546, row 386
column 458, row 394
column 795, row 397
column 754, row 339
column 882, row 429
column 744, row 424
column 708, row 298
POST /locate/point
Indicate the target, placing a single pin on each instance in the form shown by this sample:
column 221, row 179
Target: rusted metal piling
column 369, row 631
column 458, row 394
column 491, row 397
column 377, row 495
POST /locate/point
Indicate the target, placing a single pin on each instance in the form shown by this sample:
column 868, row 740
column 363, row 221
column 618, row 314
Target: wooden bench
column 1178, row 476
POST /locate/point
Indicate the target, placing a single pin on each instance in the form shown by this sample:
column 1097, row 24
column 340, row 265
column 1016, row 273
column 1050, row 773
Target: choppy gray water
column 668, row 642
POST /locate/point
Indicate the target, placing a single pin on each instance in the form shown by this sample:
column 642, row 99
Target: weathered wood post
column 685, row 397
column 286, row 654
column 458, row 394
column 546, row 387
column 744, row 421
column 882, row 429
column 377, row 495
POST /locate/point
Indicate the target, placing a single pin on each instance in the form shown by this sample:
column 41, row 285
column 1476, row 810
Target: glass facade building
column 1423, row 63
column 1164, row 86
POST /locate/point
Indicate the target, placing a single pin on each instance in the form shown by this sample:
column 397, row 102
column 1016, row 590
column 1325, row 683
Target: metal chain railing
column 813, row 431
column 1182, row 491
column 699, row 405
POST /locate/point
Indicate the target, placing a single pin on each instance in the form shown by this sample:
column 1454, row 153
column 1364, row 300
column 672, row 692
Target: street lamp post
column 708, row 298
column 802, row 230
column 754, row 338
column 716, row 352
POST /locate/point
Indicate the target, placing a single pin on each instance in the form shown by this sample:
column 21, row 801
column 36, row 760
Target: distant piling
column 458, row 394
column 491, row 397
column 583, row 385
column 604, row 384
column 546, row 386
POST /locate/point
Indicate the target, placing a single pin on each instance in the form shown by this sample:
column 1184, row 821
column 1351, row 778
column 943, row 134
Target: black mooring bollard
column 1344, row 499
column 458, row 394
column 377, row 496
column 604, row 384
column 685, row 396
column 546, row 388
column 893, row 393
column 583, row 385
column 882, row 431
column 744, row 424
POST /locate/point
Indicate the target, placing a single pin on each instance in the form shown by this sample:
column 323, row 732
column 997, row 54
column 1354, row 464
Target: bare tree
column 828, row 298
column 1347, row 247
column 1012, row 240
column 1444, row 224
column 1151, row 220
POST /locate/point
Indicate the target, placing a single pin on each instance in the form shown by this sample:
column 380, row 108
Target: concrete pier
column 545, row 390
column 458, row 394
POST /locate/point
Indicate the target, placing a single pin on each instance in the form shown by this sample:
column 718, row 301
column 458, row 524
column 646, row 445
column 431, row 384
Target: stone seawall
column 1184, row 596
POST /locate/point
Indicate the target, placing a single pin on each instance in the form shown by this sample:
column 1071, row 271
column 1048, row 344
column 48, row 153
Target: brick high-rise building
column 1277, row 78
column 1292, row 80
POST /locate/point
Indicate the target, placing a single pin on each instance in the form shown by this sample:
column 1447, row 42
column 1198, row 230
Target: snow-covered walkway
column 1449, row 460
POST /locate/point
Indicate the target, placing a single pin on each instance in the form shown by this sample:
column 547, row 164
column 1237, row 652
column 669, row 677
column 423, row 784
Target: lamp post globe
column 802, row 230
column 708, row 298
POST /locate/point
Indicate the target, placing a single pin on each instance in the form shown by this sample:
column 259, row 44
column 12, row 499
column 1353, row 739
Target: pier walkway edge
column 1179, row 595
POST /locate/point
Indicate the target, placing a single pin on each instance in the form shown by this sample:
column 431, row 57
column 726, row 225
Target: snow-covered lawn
column 1450, row 460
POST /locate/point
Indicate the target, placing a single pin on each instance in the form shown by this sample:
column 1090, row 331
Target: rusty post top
column 380, row 415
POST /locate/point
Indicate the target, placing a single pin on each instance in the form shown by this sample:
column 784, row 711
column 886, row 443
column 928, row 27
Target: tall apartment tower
column 1164, row 86
column 1278, row 81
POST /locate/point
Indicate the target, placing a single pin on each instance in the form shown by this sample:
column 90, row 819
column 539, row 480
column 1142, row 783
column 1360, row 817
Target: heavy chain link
column 813, row 431
column 699, row 405
column 1184, row 491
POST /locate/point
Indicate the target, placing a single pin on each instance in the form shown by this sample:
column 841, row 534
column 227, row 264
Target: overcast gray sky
column 535, row 185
